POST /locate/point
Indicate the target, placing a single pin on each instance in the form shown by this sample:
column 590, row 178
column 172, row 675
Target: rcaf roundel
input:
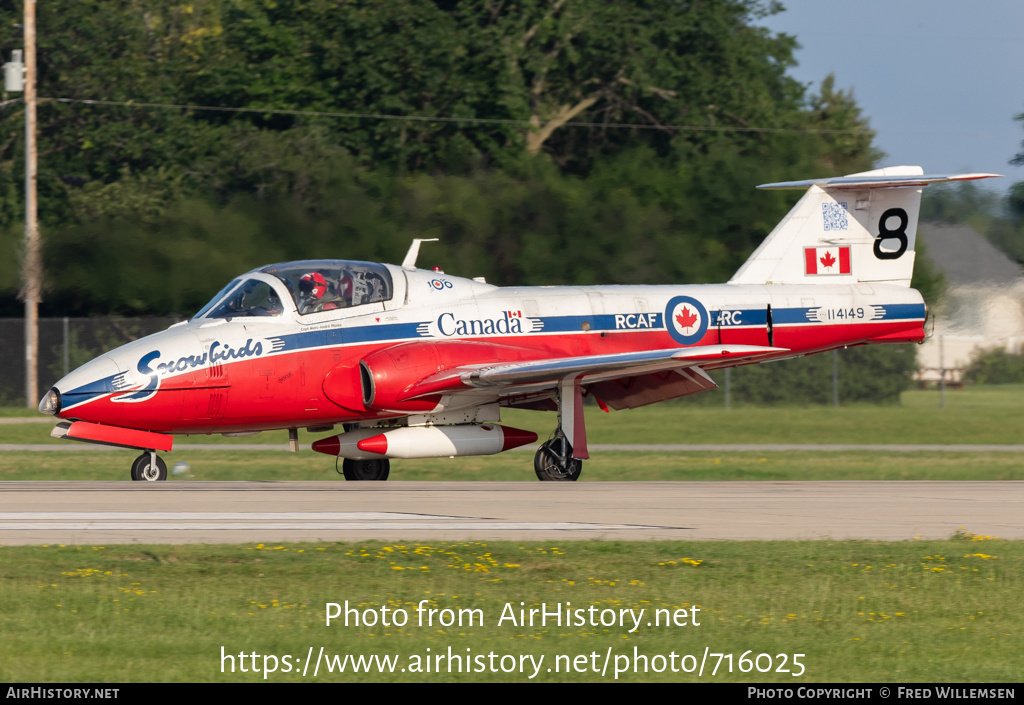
column 686, row 320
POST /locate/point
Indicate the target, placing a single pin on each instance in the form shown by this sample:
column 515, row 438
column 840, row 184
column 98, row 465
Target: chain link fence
column 64, row 344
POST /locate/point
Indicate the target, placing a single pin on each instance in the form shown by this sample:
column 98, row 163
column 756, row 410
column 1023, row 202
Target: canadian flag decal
column 827, row 260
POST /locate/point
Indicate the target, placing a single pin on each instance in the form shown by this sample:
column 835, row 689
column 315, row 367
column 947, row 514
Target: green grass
column 1004, row 396
column 981, row 414
column 16, row 411
column 925, row 611
column 603, row 466
column 974, row 415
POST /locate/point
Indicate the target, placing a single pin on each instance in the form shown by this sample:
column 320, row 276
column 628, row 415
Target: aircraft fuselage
column 258, row 373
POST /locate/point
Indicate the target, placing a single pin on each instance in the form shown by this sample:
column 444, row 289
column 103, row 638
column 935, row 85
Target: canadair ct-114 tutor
column 413, row 363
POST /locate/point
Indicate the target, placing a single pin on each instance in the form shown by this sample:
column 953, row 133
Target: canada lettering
column 449, row 325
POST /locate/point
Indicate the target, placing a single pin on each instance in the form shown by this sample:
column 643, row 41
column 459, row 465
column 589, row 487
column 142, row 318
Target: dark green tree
column 178, row 200
column 995, row 366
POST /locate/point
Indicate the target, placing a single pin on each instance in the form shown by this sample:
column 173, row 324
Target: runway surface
column 100, row 513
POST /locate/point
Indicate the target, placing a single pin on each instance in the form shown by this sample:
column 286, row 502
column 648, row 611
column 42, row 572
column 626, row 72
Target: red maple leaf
column 685, row 318
column 828, row 260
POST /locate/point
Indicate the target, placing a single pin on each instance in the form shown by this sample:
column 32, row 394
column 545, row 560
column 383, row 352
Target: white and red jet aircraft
column 415, row 363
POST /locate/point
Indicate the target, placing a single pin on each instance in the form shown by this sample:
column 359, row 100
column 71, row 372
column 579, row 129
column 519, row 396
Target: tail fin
column 856, row 228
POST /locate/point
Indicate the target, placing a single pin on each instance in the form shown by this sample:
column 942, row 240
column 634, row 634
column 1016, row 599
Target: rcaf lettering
column 637, row 320
column 729, row 318
column 449, row 325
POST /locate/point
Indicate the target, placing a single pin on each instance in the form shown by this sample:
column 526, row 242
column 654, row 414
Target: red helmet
column 314, row 284
column 345, row 287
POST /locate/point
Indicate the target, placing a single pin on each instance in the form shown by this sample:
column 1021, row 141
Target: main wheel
column 377, row 469
column 551, row 466
column 143, row 470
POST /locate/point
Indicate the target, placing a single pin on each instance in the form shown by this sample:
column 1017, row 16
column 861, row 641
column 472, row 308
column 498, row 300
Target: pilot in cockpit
column 316, row 294
column 345, row 289
column 254, row 298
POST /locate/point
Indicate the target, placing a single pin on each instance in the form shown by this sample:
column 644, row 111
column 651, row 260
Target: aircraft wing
column 623, row 380
column 593, row 368
column 650, row 368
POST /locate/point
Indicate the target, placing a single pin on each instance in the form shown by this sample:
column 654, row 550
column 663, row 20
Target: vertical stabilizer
column 856, row 228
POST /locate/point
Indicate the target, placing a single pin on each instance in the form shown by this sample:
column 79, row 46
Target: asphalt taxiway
column 96, row 513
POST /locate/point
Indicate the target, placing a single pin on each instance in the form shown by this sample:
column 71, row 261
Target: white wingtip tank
column 856, row 228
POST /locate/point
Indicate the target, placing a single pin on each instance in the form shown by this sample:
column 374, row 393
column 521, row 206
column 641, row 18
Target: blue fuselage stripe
column 631, row 322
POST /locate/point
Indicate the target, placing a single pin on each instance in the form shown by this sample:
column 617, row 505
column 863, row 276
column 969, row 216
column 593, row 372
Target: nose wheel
column 149, row 467
column 376, row 470
column 554, row 461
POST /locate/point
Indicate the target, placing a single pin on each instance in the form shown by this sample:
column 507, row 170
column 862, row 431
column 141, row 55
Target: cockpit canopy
column 243, row 297
column 314, row 286
column 324, row 285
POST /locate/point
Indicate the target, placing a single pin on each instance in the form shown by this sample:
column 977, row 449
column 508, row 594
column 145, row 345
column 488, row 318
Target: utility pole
column 32, row 273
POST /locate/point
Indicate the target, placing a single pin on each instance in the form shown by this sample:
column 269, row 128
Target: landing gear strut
column 561, row 458
column 149, row 467
column 377, row 469
column 554, row 461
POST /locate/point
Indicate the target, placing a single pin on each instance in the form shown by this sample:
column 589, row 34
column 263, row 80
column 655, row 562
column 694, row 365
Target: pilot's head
column 313, row 285
column 345, row 287
column 273, row 304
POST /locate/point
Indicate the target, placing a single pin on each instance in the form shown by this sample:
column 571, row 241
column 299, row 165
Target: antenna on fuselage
column 414, row 251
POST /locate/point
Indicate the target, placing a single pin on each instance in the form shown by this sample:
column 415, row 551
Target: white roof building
column 984, row 303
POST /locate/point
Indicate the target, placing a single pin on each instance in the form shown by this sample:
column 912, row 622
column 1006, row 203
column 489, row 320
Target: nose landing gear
column 149, row 467
column 375, row 470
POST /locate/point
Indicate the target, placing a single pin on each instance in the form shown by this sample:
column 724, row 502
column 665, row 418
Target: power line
column 422, row 118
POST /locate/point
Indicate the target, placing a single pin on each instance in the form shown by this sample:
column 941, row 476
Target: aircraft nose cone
column 90, row 381
column 50, row 403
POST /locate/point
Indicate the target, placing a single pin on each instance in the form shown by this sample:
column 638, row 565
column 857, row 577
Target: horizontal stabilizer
column 872, row 180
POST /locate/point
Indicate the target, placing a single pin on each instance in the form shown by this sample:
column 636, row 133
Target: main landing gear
column 561, row 458
column 377, row 469
column 149, row 467
column 554, row 461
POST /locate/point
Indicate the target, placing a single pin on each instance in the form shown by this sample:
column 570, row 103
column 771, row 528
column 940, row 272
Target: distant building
column 984, row 303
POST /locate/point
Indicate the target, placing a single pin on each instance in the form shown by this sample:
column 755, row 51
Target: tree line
column 612, row 142
column 543, row 142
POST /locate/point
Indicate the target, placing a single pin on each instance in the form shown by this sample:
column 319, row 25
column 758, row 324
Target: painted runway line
column 278, row 521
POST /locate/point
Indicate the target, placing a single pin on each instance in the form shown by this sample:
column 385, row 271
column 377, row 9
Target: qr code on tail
column 835, row 216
